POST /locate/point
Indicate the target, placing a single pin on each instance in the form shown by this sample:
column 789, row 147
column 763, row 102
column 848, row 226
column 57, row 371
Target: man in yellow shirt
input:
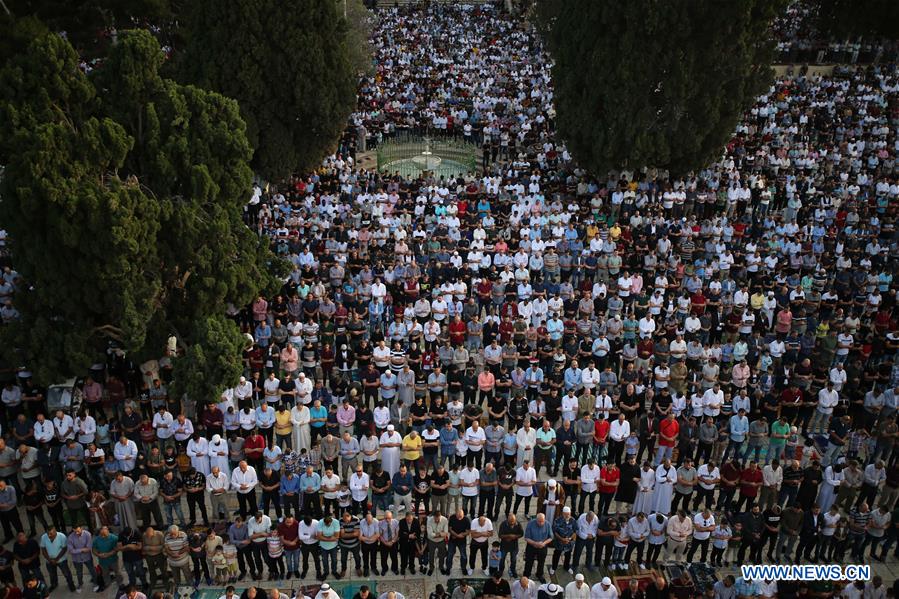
column 411, row 448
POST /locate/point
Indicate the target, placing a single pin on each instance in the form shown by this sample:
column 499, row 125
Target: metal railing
column 457, row 155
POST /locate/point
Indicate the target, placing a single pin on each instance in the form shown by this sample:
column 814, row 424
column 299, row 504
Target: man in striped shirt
column 349, row 543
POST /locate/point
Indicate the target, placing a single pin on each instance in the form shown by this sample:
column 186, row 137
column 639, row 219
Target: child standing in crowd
column 220, row 565
column 229, row 550
column 494, row 558
column 720, row 537
column 619, row 546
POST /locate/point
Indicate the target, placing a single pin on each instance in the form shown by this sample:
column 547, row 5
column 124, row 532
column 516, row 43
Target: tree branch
column 110, row 331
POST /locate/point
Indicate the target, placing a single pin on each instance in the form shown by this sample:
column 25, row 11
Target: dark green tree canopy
column 868, row 19
column 122, row 195
column 86, row 22
column 649, row 83
column 288, row 65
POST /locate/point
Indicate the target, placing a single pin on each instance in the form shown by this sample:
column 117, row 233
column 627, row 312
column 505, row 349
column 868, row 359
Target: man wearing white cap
column 390, row 443
column 549, row 590
column 243, row 390
column 218, row 453
column 604, row 589
column 326, row 593
column 577, row 588
column 549, row 498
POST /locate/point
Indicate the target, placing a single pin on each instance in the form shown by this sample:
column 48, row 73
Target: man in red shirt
column 290, row 536
column 609, row 478
column 790, row 401
column 457, row 331
column 253, row 448
column 750, row 481
column 697, row 303
column 601, row 428
column 668, row 431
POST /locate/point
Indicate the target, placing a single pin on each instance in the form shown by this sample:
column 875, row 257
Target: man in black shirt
column 270, row 483
column 605, row 537
column 505, row 485
column 421, row 492
column 130, row 423
column 28, row 555
column 288, row 389
column 459, row 529
column 509, row 533
column 410, row 532
column 380, row 490
column 371, row 379
column 439, row 483
column 571, row 475
column 771, row 517
column 566, row 440
column 497, row 586
column 195, row 485
column 130, row 545
column 753, row 526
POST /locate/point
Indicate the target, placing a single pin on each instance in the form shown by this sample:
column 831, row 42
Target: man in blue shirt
column 311, row 484
column 537, row 535
column 534, row 379
column 739, row 427
column 572, row 376
column 402, row 488
column 448, row 437
column 290, row 493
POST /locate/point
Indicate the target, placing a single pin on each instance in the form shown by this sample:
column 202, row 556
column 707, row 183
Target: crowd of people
column 532, row 368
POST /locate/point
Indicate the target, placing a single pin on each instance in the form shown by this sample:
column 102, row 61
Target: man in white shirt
column 590, row 377
column 587, row 527
column 64, row 425
column 475, row 439
column 604, row 589
column 772, row 479
column 162, row 424
column 243, row 390
column 828, row 399
column 525, row 479
column 258, row 528
column 703, row 525
column 359, row 484
column 577, row 588
column 481, row 531
column 217, row 485
column 618, row 433
column 125, row 452
column 708, row 476
column 469, row 480
column 44, row 431
column 590, row 474
column 679, row 529
column 712, row 400
column 247, row 418
column 244, row 481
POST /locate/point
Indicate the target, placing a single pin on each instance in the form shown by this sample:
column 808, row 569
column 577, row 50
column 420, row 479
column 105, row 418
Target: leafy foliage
column 123, row 196
column 869, row 19
column 288, row 65
column 654, row 83
column 86, row 22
